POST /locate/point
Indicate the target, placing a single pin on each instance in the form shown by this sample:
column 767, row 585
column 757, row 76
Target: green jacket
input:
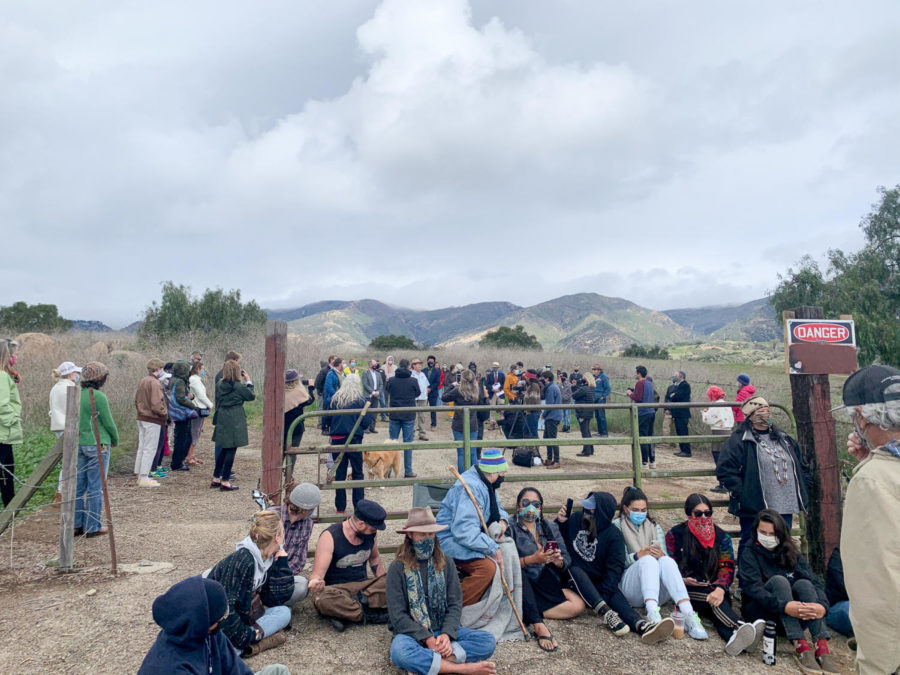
column 10, row 411
column 109, row 434
column 229, row 418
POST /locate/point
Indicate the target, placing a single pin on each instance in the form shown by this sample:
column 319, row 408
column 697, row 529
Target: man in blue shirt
column 601, row 393
column 552, row 418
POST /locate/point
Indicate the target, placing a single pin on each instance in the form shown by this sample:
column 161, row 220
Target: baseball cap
column 869, row 385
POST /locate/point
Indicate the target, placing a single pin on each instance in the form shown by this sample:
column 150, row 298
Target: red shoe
column 228, row 488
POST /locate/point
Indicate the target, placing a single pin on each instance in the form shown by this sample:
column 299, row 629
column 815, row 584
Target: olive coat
column 229, row 418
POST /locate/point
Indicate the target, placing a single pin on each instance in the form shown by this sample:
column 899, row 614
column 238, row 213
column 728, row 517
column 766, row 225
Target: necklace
column 776, row 453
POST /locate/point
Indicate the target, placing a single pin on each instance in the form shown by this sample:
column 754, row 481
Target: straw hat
column 421, row 519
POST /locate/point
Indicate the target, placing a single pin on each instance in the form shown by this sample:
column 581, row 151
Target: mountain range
column 583, row 322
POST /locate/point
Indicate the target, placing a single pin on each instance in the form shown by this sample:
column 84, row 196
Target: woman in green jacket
column 10, row 418
column 230, row 420
column 89, row 487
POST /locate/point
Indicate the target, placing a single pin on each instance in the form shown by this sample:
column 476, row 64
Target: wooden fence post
column 273, row 409
column 69, row 479
column 811, row 400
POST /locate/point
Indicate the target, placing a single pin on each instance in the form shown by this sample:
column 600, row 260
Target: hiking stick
column 362, row 413
column 485, row 528
column 109, row 522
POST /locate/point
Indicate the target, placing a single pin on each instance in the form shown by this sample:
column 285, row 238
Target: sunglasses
column 531, row 502
column 702, row 514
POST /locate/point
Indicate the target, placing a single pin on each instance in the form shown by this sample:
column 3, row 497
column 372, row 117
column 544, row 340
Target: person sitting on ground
column 778, row 585
column 190, row 616
column 474, row 552
column 544, row 559
column 705, row 557
column 838, row 616
column 651, row 577
column 230, row 420
column 299, row 503
column 598, row 560
column 296, row 398
column 349, row 397
column 424, row 602
column 341, row 590
column 720, row 421
column 259, row 583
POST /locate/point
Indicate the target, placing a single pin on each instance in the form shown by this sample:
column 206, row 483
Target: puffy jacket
column 745, row 392
column 181, row 371
column 58, row 403
column 464, row 538
column 403, row 389
column 583, row 395
column 10, row 411
column 738, row 470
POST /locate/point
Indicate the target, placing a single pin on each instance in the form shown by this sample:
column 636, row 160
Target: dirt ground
column 90, row 622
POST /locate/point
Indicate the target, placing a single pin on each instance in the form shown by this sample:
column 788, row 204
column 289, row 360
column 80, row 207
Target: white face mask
column 767, row 541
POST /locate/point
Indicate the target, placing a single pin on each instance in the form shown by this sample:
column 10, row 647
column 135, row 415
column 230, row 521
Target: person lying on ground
column 778, row 585
column 474, row 552
column 259, row 583
column 544, row 559
column 342, row 591
column 296, row 520
column 190, row 616
column 425, row 605
column 597, row 550
column 651, row 578
column 705, row 557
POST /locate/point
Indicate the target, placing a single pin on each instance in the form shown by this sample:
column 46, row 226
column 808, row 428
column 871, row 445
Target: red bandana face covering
column 704, row 530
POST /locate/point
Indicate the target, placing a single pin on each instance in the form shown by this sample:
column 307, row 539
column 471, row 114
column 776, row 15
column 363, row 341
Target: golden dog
column 381, row 463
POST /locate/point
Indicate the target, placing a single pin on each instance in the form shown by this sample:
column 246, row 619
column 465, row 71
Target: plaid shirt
column 296, row 538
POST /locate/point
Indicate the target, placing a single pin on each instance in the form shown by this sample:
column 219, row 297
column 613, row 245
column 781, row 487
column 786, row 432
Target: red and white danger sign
column 820, row 346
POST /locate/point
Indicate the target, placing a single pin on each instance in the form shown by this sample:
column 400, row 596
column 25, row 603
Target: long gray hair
column 349, row 393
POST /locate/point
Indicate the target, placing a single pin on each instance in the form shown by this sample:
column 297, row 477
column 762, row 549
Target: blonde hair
column 590, row 380
column 55, row 373
column 231, row 372
column 468, row 388
column 349, row 393
column 264, row 527
column 7, row 347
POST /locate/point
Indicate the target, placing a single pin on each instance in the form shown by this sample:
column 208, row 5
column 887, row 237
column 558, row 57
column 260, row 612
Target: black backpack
column 524, row 456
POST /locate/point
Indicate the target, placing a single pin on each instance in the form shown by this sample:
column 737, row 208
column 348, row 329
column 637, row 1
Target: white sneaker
column 653, row 616
column 149, row 482
column 694, row 628
column 653, row 466
column 760, row 627
column 742, row 637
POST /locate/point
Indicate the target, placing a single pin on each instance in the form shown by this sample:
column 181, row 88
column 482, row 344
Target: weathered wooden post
column 273, row 409
column 69, row 480
column 811, row 402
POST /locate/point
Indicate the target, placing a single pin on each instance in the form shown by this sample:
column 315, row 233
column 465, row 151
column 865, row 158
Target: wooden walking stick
column 109, row 521
column 484, row 526
column 362, row 413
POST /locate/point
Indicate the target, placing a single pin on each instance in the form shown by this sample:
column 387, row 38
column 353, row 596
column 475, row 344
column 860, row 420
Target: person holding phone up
column 544, row 559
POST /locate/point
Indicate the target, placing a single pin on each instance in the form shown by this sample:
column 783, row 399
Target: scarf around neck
column 637, row 538
column 493, row 508
column 260, row 566
column 428, row 610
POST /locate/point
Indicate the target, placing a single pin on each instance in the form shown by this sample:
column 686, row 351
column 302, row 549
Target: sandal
column 545, row 638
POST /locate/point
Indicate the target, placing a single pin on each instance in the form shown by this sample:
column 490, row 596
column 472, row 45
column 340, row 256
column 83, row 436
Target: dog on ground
column 382, row 463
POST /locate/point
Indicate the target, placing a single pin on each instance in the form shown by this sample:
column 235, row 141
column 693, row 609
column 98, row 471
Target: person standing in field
column 681, row 416
column 89, row 488
column 296, row 398
column 551, row 418
column 433, row 373
column 10, row 418
column 403, row 390
column 230, row 420
column 601, row 395
column 422, row 399
column 348, row 397
column 642, row 392
column 180, row 373
column 745, row 391
column 583, row 394
column 152, row 415
column 67, row 375
column 720, row 421
column 373, row 388
column 204, row 409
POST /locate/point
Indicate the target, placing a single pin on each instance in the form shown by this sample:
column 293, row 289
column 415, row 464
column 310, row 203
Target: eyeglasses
column 702, row 514
column 531, row 502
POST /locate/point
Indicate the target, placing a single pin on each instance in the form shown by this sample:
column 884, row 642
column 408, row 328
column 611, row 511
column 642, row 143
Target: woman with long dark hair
column 705, row 557
column 651, row 577
column 778, row 585
column 544, row 559
column 463, row 394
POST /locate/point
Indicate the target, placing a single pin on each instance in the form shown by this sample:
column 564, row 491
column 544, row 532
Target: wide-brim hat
column 421, row 519
column 291, row 375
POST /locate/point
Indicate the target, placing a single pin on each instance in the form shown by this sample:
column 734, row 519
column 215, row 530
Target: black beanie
column 216, row 600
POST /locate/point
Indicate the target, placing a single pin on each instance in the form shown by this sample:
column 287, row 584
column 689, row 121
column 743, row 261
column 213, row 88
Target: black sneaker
column 651, row 633
column 584, row 454
column 682, row 454
column 721, row 489
column 614, row 622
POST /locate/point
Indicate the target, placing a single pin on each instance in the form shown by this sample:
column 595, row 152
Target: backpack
column 523, row 456
column 178, row 412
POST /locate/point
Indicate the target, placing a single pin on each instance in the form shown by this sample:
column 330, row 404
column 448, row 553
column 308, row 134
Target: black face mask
column 497, row 483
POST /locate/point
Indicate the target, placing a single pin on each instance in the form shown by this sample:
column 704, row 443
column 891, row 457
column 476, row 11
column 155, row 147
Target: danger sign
column 820, row 347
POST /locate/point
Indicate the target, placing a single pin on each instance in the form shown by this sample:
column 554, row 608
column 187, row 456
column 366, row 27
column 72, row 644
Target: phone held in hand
column 568, row 507
column 551, row 546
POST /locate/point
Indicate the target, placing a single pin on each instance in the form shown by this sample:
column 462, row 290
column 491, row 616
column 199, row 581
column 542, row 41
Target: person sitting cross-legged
column 425, row 605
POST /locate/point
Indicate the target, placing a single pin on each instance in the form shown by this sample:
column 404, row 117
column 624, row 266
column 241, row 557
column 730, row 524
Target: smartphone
column 551, row 546
column 568, row 507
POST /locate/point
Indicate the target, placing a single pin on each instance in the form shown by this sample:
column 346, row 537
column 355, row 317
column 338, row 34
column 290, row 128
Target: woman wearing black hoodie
column 597, row 550
column 583, row 394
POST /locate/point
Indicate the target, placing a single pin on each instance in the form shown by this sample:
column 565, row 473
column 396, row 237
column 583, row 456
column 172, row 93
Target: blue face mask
column 637, row 518
column 529, row 513
column 202, row 373
column 424, row 548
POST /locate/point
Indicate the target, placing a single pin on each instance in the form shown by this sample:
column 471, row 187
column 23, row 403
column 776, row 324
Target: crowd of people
column 599, row 554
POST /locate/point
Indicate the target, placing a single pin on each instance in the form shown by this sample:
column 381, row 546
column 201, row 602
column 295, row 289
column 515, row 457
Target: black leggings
column 585, row 427
column 724, row 618
column 223, row 463
column 587, row 586
column 7, row 471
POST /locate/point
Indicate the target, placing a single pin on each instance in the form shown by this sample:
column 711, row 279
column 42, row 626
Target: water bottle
column 768, row 644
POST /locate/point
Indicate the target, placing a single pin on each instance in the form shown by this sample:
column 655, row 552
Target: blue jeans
column 567, row 418
column 470, row 646
column 382, row 403
column 274, row 619
column 89, row 489
column 600, row 416
column 747, row 534
column 838, row 617
column 409, row 428
column 461, row 452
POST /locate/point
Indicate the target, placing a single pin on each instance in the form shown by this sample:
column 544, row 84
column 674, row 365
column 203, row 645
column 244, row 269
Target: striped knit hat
column 492, row 461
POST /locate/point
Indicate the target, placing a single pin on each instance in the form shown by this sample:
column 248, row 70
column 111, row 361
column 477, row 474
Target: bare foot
column 479, row 668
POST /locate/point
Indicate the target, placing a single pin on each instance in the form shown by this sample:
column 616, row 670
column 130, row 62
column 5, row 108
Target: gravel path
column 90, row 622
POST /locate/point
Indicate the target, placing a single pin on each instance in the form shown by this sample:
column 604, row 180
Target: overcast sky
column 436, row 153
